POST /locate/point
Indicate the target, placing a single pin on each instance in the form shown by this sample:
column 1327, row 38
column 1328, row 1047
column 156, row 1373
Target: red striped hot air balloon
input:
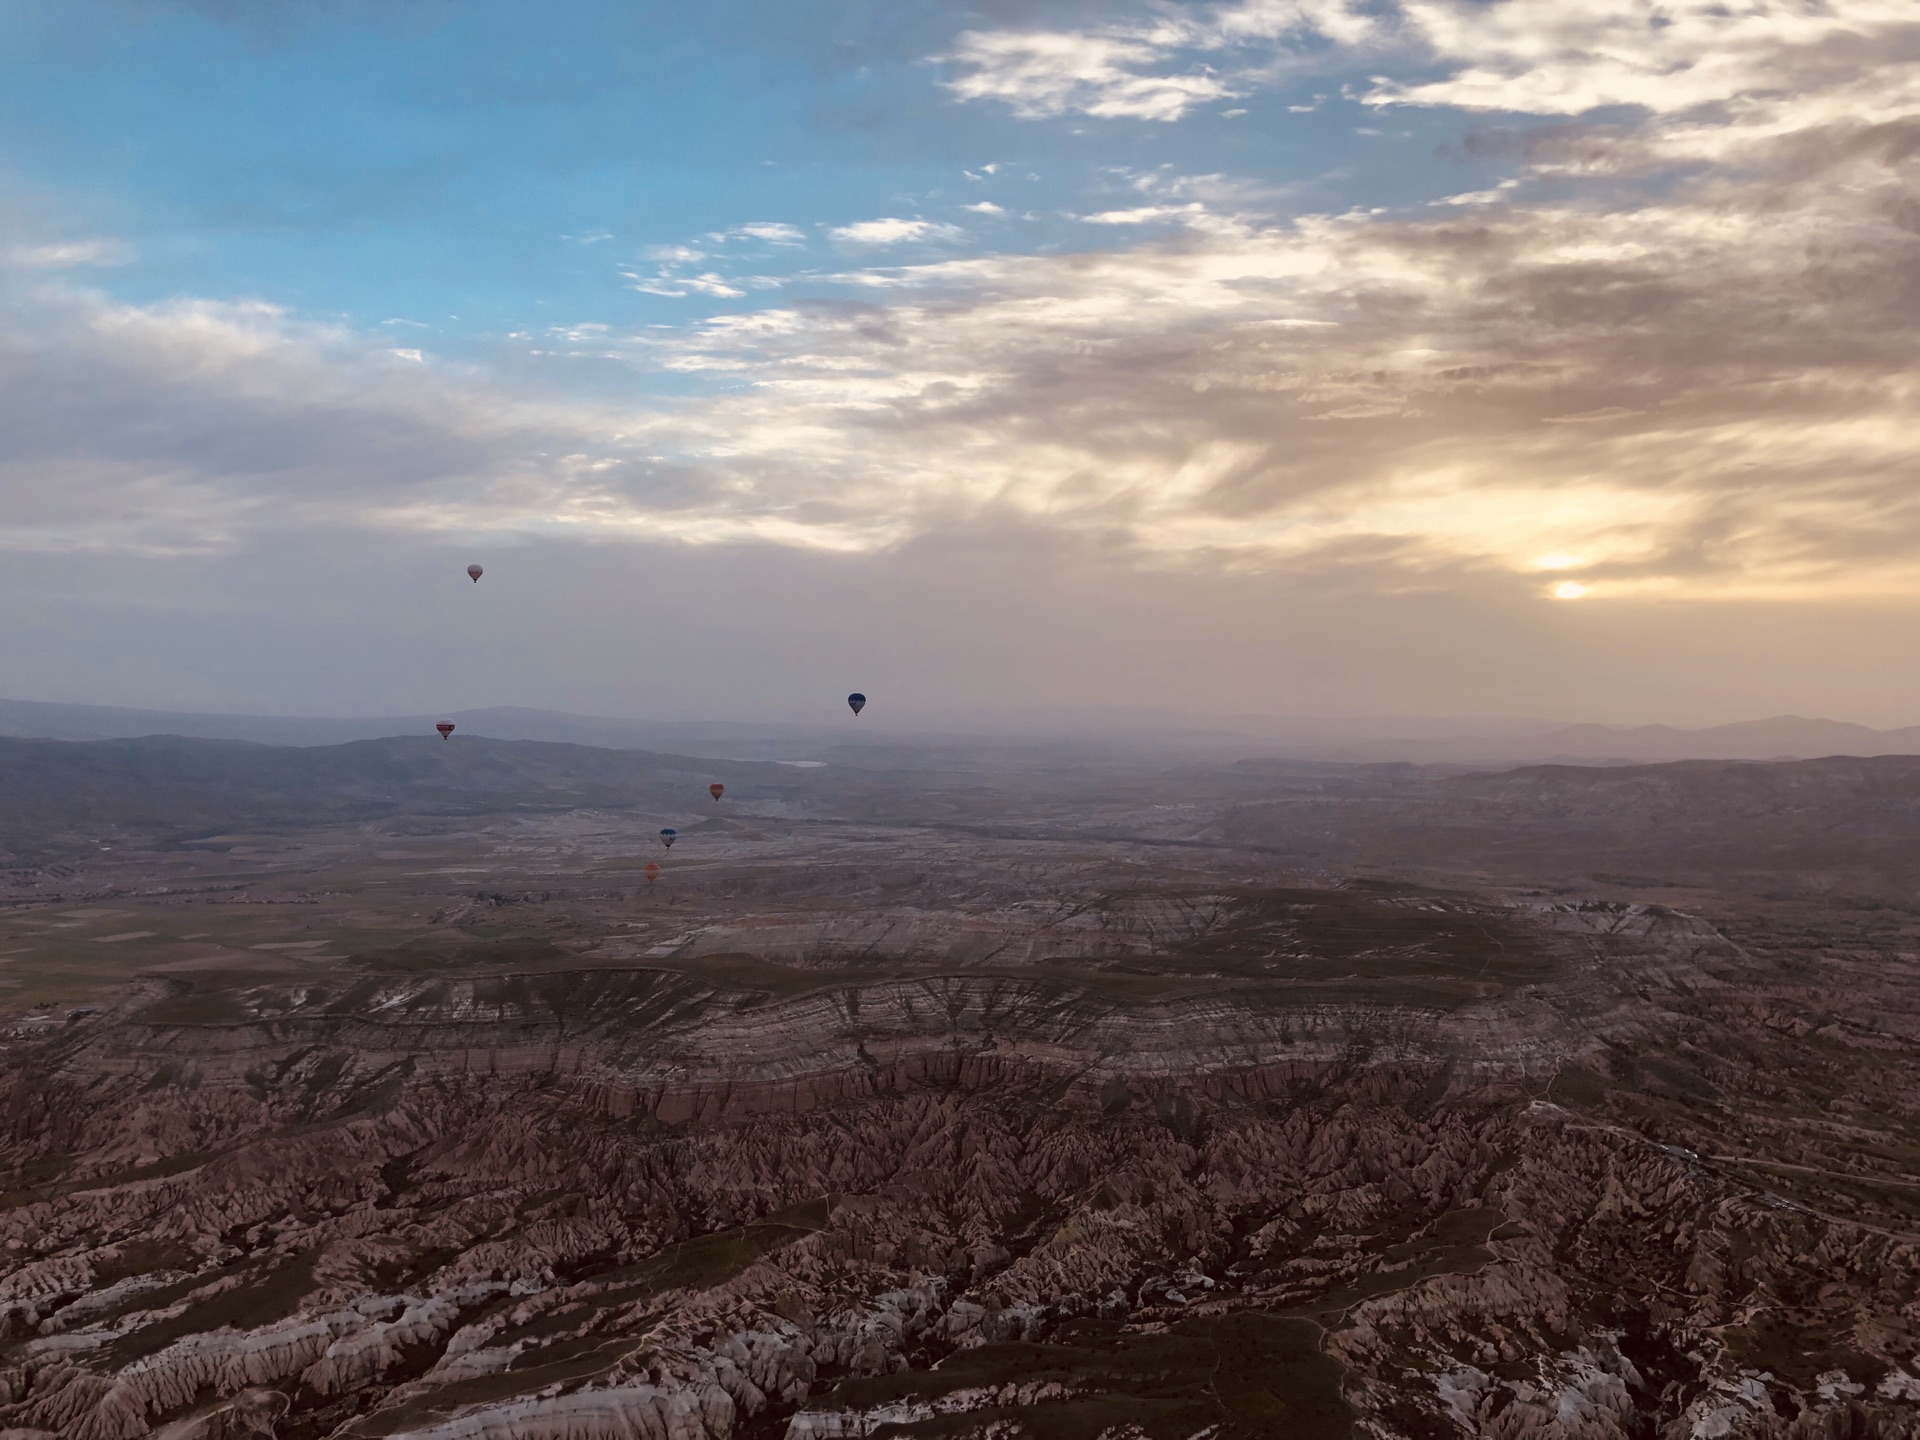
column 716, row 789
column 445, row 727
column 653, row 871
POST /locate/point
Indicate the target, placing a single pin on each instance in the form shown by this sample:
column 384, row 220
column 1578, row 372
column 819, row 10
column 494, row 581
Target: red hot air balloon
column 445, row 727
column 716, row 789
column 474, row 572
column 653, row 871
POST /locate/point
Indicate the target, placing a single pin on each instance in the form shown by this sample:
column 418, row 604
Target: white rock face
column 337, row 1350
column 250, row 1415
column 823, row 1424
column 1900, row 1386
column 631, row 1412
column 863, row 1341
column 1730, row 1409
column 364, row 1354
column 700, row 1394
column 1835, row 1385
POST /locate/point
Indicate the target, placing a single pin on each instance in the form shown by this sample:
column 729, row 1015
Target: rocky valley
column 379, row 1090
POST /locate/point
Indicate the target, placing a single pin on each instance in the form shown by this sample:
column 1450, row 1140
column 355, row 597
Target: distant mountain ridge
column 42, row 720
column 1780, row 737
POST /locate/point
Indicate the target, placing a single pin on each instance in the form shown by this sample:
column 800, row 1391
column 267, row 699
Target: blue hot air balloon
column 856, row 702
column 666, row 836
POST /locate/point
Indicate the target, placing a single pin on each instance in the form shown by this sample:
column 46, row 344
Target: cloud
column 1542, row 58
column 1156, row 69
column 198, row 428
column 1037, row 74
column 1193, row 214
column 892, row 232
column 1663, row 384
column 1665, row 381
column 64, row 255
column 771, row 231
column 709, row 283
column 674, row 282
column 1537, row 57
column 1686, row 361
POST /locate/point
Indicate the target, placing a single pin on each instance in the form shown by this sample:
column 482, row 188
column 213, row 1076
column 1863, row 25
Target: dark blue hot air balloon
column 666, row 836
column 856, row 702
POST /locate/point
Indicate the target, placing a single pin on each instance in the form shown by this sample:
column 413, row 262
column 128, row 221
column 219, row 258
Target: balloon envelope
column 474, row 572
column 667, row 836
column 856, row 702
column 653, row 872
column 716, row 789
column 445, row 727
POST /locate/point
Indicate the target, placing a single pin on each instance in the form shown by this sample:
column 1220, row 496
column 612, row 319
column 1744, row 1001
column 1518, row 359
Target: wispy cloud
column 892, row 231
column 1042, row 73
column 674, row 280
column 772, row 232
column 65, row 254
column 1539, row 57
column 1542, row 58
column 1154, row 69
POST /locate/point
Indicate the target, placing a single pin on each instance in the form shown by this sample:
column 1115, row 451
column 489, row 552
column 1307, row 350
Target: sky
column 1548, row 358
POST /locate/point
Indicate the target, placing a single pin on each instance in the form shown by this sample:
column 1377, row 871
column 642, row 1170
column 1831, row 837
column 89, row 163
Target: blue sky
column 465, row 173
column 1427, row 356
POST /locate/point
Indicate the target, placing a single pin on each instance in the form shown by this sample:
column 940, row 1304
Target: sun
column 1569, row 590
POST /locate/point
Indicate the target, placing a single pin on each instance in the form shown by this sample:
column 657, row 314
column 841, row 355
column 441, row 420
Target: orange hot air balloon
column 445, row 727
column 474, row 572
column 653, row 871
column 716, row 789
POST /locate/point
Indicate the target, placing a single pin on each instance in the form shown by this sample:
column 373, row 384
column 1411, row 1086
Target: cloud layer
column 1669, row 356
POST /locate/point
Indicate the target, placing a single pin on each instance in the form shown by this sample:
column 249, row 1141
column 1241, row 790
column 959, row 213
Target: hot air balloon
column 653, row 871
column 856, row 702
column 667, row 836
column 474, row 572
column 445, row 727
column 716, row 789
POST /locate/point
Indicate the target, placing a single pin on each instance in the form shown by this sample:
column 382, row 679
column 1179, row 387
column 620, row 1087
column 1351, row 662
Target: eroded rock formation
column 1602, row 1173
